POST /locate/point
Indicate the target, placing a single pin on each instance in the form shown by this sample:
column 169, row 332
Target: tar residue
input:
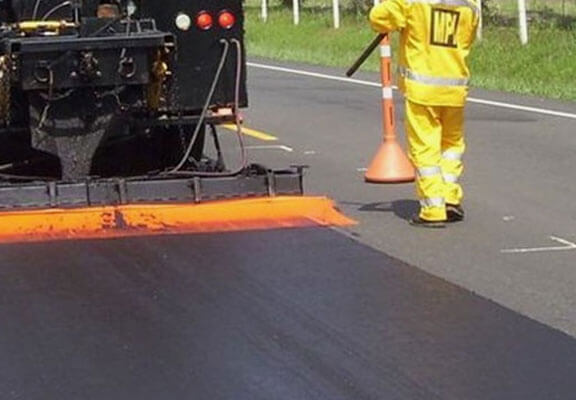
column 72, row 129
column 120, row 221
column 114, row 220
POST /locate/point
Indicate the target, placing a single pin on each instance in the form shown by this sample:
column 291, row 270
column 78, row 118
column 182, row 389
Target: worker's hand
column 388, row 16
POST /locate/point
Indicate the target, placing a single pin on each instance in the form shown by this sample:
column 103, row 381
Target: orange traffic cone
column 390, row 165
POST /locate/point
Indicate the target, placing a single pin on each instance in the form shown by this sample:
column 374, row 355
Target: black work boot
column 454, row 213
column 416, row 220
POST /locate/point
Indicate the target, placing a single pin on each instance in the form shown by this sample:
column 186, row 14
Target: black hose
column 56, row 8
column 204, row 112
column 244, row 160
column 35, row 11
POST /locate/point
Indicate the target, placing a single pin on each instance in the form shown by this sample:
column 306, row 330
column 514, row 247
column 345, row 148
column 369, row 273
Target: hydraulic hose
column 56, row 8
column 244, row 159
column 35, row 11
column 204, row 112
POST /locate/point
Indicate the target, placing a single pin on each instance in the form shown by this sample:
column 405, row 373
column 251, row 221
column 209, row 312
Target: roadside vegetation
column 545, row 67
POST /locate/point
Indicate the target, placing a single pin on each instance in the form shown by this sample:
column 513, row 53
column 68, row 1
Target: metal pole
column 522, row 20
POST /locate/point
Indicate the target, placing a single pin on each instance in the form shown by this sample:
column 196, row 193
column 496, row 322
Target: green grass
column 545, row 67
column 566, row 7
column 313, row 41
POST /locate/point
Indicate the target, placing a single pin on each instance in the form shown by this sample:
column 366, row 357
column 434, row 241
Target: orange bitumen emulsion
column 138, row 220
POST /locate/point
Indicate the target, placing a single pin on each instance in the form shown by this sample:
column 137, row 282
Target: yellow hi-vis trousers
column 436, row 141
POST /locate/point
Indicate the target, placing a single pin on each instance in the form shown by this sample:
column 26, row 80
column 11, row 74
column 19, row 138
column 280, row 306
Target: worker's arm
column 388, row 16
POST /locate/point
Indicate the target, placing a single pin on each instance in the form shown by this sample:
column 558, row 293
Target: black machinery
column 115, row 102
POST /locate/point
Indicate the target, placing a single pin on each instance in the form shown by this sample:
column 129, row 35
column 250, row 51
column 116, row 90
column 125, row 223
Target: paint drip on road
column 139, row 220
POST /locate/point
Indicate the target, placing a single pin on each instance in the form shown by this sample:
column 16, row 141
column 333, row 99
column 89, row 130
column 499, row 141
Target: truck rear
column 109, row 108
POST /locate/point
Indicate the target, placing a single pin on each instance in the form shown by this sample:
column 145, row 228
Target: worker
column 435, row 40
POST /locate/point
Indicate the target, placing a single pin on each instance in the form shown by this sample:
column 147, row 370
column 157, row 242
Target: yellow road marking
column 251, row 132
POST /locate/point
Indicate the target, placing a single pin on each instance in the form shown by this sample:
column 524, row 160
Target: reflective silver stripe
column 452, row 156
column 433, row 202
column 452, row 3
column 385, row 51
column 429, row 171
column 387, row 93
column 450, row 178
column 432, row 80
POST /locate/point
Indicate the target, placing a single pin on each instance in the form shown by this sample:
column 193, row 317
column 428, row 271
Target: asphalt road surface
column 380, row 310
column 518, row 185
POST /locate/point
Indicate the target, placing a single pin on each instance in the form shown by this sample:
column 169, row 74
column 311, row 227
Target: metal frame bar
column 118, row 191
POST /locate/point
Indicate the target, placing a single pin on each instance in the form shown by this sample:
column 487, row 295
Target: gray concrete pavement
column 518, row 182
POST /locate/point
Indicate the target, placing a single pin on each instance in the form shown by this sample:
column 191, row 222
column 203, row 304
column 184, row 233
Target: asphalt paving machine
column 116, row 99
column 112, row 103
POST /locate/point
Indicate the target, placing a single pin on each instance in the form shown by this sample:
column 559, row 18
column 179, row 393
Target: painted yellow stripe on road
column 251, row 132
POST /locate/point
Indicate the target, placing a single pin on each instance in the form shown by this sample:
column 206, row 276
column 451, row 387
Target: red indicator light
column 226, row 19
column 204, row 20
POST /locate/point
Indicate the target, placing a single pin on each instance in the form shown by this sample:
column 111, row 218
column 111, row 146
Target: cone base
column 390, row 165
column 388, row 180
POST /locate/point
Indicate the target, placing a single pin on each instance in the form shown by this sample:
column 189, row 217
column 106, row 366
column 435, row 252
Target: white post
column 336, row 12
column 296, row 10
column 480, row 23
column 522, row 19
column 376, row 2
column 264, row 10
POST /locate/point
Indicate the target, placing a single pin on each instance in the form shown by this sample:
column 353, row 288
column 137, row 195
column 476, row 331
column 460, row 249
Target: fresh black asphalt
column 289, row 314
column 376, row 311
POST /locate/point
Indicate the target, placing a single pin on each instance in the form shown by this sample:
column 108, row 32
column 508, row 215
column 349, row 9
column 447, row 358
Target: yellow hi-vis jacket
column 436, row 37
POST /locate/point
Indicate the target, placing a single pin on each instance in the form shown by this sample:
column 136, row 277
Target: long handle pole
column 375, row 43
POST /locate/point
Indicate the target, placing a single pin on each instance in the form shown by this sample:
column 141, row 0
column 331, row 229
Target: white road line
column 271, row 147
column 522, row 108
column 313, row 74
column 567, row 246
column 499, row 104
